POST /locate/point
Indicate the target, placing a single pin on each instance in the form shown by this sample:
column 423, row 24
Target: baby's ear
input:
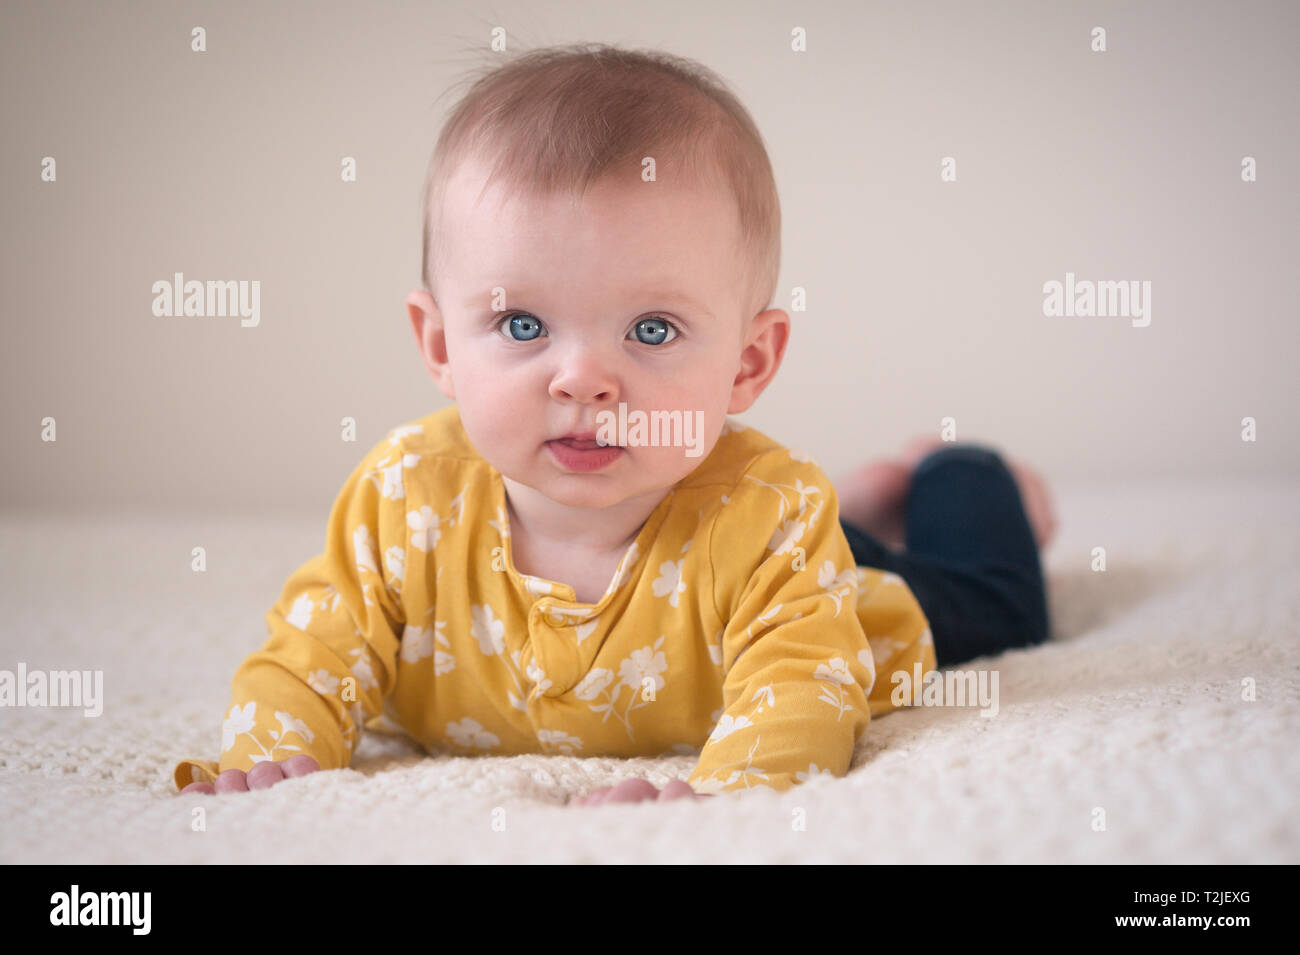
column 760, row 358
column 431, row 337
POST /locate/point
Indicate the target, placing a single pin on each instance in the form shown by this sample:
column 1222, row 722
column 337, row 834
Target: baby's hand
column 261, row 776
column 636, row 790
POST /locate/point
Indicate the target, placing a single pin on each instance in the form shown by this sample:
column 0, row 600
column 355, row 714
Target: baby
column 561, row 561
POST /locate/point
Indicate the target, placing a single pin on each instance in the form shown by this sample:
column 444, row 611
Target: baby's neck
column 577, row 546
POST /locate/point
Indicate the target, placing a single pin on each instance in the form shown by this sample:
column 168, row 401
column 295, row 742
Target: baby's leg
column 970, row 558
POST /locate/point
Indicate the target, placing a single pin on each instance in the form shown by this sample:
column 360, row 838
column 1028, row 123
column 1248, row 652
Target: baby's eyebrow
column 647, row 297
column 674, row 299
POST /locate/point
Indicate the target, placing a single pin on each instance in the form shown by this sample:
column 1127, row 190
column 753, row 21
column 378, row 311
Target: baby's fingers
column 232, row 781
column 632, row 790
column 676, row 789
column 266, row 774
column 300, row 765
column 262, row 776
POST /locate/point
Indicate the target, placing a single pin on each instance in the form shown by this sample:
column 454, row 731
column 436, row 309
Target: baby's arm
column 331, row 657
column 796, row 663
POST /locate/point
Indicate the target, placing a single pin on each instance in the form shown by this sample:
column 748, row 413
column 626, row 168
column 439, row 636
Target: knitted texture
column 1134, row 708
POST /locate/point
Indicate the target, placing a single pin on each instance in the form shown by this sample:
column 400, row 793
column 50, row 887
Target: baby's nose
column 583, row 378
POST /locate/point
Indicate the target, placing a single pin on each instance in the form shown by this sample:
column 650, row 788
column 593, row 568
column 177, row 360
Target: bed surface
column 1135, row 707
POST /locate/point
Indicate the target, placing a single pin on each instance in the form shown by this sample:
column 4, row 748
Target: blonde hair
column 560, row 118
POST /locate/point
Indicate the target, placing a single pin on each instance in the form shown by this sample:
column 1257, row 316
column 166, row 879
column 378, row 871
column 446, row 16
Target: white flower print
column 238, row 722
column 620, row 576
column 391, row 485
column 885, row 648
column 593, row 683
column 456, row 509
column 584, row 630
column 471, row 734
column 417, row 642
column 395, row 562
column 790, row 530
column 537, row 676
column 290, row 725
column 330, row 600
column 813, row 773
column 323, row 682
column 300, row 614
column 443, row 662
column 559, row 741
column 647, row 663
column 536, row 586
column 728, row 725
column 364, row 549
column 358, row 714
column 241, row 722
column 487, row 630
column 361, row 669
column 927, row 638
column 837, row 586
column 501, row 525
column 670, row 581
column 715, row 648
column 763, row 617
column 397, row 434
column 866, row 658
column 425, row 528
column 765, row 696
column 786, row 536
column 797, row 454
column 516, row 695
column 712, row 784
column 643, row 664
column 836, row 673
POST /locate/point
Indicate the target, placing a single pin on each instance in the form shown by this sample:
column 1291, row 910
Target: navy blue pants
column 970, row 556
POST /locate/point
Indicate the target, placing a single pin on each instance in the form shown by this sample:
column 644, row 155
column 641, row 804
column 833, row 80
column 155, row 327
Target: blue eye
column 524, row 327
column 654, row 331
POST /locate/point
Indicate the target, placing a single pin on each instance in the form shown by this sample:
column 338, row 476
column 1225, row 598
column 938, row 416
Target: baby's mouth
column 583, row 444
column 583, row 454
column 582, row 441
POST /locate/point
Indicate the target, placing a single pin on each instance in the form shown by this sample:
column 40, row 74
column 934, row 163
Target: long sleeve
column 796, row 662
column 331, row 656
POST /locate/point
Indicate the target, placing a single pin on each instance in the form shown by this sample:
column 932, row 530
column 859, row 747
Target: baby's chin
column 594, row 492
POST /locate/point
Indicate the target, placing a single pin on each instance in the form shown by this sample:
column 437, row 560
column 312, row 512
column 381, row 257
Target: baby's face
column 635, row 297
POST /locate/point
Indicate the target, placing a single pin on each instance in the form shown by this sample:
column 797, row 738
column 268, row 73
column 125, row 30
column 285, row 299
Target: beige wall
column 924, row 297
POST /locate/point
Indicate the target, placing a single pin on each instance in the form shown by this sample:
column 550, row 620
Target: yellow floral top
column 736, row 627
